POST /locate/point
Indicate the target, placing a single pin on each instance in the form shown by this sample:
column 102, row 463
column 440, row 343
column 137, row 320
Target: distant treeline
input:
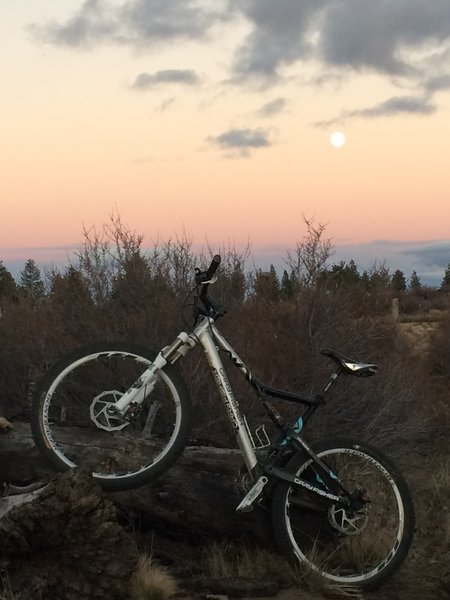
column 278, row 325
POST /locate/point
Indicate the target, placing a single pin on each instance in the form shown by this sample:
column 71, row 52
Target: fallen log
column 198, row 494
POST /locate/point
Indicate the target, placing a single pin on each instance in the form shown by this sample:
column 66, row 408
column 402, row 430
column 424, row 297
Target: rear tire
column 73, row 421
column 361, row 549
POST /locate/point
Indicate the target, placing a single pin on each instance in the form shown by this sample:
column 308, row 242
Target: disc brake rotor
column 103, row 411
column 346, row 522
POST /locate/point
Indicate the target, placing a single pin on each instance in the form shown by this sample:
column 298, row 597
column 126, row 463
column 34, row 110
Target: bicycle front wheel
column 74, row 422
column 359, row 548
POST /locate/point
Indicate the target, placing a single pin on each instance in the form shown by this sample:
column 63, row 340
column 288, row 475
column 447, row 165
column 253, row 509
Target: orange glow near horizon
column 78, row 143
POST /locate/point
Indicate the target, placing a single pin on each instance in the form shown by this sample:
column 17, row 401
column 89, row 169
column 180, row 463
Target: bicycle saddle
column 350, row 366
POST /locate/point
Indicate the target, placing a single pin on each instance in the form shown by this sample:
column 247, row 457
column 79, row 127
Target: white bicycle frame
column 207, row 335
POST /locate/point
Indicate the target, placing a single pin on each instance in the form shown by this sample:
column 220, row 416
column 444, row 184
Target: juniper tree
column 344, row 273
column 398, row 281
column 414, row 282
column 8, row 286
column 446, row 280
column 31, row 284
column 287, row 286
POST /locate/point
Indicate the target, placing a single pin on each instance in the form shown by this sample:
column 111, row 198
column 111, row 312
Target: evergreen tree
column 445, row 285
column 398, row 281
column 343, row 273
column 237, row 283
column 266, row 284
column 8, row 286
column 365, row 280
column 287, row 286
column 414, row 282
column 69, row 288
column 31, row 284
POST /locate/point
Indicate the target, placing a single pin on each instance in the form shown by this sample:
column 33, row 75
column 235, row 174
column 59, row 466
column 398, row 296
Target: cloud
column 396, row 105
column 242, row 140
column 377, row 36
column 134, row 22
column 404, row 41
column 272, row 108
column 383, row 36
column 145, row 81
column 278, row 36
column 438, row 83
column 417, row 105
column 435, row 254
column 94, row 22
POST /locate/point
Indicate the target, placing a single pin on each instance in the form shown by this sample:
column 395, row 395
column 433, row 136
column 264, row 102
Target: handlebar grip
column 213, row 267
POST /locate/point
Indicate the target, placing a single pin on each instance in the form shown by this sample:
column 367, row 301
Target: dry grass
column 244, row 559
column 151, row 581
column 233, row 559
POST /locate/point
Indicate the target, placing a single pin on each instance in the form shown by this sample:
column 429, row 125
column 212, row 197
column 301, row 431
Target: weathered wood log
column 5, row 424
column 20, row 460
column 64, row 542
column 198, row 494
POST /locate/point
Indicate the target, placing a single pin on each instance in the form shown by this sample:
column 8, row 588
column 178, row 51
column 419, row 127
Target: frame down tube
column 228, row 397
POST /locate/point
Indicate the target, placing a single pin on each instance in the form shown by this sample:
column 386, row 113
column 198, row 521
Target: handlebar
column 206, row 276
column 213, row 266
column 203, row 279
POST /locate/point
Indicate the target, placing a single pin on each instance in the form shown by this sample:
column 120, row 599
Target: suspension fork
column 144, row 385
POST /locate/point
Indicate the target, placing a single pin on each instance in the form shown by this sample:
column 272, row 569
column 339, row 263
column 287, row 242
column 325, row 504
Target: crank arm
column 255, row 492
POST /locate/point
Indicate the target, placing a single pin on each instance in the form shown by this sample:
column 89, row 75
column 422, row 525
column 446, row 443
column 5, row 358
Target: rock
column 65, row 543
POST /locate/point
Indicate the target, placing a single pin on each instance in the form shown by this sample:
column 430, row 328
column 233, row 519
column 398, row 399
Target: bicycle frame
column 206, row 334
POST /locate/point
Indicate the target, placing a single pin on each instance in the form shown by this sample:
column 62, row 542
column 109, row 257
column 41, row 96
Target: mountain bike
column 339, row 507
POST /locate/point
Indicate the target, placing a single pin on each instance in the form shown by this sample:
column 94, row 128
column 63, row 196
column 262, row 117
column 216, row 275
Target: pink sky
column 217, row 120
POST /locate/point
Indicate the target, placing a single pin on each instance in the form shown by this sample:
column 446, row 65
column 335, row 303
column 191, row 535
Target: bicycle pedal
column 246, row 504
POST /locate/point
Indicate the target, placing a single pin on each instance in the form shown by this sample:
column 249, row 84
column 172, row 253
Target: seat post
column 332, row 380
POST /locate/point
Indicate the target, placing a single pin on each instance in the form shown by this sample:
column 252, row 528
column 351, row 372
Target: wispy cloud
column 438, row 83
column 413, row 105
column 146, row 81
column 272, row 108
column 136, row 23
column 397, row 105
column 434, row 254
column 242, row 140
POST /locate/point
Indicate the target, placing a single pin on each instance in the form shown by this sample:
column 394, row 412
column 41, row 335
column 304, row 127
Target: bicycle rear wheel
column 74, row 423
column 357, row 548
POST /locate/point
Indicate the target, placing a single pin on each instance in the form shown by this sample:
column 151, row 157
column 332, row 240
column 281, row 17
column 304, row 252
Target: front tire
column 73, row 420
column 361, row 549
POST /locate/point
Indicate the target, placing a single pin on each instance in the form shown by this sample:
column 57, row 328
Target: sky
column 215, row 117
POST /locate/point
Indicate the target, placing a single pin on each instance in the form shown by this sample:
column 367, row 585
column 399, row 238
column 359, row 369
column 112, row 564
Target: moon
column 337, row 139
